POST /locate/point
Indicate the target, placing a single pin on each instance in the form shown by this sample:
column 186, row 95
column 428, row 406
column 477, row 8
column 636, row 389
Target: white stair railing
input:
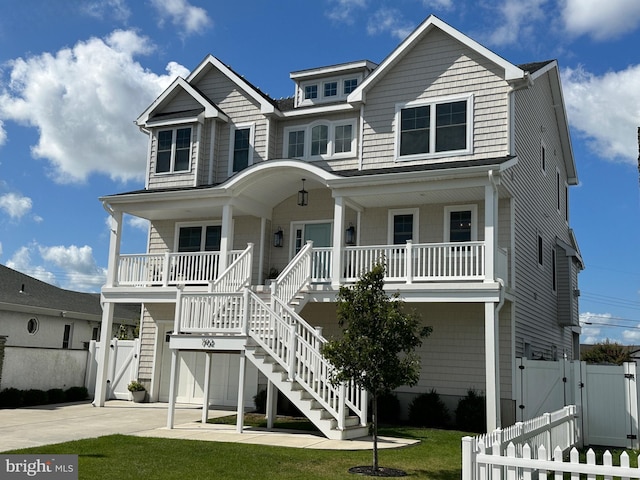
column 296, row 346
column 295, row 276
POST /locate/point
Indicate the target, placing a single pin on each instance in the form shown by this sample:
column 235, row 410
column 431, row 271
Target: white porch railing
column 295, row 276
column 422, row 262
column 162, row 269
column 542, row 434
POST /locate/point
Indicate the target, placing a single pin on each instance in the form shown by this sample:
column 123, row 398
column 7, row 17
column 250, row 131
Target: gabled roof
column 21, row 292
column 267, row 104
column 209, row 109
column 511, row 72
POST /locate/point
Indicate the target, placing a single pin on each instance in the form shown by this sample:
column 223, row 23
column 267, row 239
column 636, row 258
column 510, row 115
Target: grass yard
column 121, row 457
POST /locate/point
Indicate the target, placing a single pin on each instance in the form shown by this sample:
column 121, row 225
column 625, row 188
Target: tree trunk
column 374, row 416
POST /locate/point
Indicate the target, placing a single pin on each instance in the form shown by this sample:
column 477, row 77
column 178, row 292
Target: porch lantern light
column 350, row 235
column 278, row 238
column 303, row 196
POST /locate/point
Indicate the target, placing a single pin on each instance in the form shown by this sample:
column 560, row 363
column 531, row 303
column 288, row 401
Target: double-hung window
column 199, row 238
column 434, row 128
column 460, row 223
column 403, row 226
column 319, row 140
column 241, row 148
column 295, row 144
column 173, row 150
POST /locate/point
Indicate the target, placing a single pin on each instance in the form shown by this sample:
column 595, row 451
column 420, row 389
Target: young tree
column 377, row 349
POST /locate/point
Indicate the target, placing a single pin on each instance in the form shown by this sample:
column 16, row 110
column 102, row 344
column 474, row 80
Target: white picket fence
column 514, row 466
column 540, row 435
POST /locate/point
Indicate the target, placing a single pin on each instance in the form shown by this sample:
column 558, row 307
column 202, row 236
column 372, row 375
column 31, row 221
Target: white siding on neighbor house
column 536, row 212
column 241, row 109
column 438, row 66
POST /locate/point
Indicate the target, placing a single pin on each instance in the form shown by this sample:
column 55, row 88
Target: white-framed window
column 32, row 326
column 402, row 226
column 434, row 128
column 461, row 223
column 321, row 140
column 173, row 150
column 241, row 147
column 198, row 237
column 349, row 85
column 310, row 92
column 330, row 89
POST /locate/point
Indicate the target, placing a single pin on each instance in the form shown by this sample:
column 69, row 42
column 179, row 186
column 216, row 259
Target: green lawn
column 121, row 457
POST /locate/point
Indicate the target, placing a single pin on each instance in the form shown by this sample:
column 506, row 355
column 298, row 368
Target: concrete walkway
column 48, row 424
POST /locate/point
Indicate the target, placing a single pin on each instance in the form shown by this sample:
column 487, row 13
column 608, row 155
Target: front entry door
column 319, row 233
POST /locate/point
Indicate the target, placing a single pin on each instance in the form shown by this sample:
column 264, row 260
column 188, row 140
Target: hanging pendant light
column 303, row 196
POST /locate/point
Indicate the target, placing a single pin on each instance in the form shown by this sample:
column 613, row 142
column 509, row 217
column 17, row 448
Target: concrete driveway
column 48, row 424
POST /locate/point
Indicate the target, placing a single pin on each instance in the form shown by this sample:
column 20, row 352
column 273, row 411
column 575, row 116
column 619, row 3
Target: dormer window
column 331, row 89
column 350, row 85
column 310, row 92
column 174, row 150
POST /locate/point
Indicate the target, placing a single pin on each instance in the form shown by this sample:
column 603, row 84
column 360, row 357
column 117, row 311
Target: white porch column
column 272, row 404
column 241, row 381
column 225, row 234
column 263, row 245
column 490, row 231
column 100, row 394
column 173, row 386
column 207, row 387
column 492, row 366
column 338, row 229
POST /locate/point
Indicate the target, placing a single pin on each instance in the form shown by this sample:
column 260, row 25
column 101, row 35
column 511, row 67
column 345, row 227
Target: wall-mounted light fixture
column 278, row 238
column 303, row 196
column 350, row 235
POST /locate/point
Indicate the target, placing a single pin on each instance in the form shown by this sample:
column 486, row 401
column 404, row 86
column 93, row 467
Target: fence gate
column 123, row 367
column 610, row 405
column 542, row 387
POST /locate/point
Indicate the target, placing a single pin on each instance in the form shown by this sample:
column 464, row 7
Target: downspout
column 361, row 138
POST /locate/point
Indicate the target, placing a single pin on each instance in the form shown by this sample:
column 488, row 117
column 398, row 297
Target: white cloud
column 80, row 268
column 183, row 15
column 138, row 223
column 389, row 20
column 343, row 10
column 21, row 261
column 72, row 267
column 516, row 20
column 632, row 336
column 116, row 9
column 15, row 205
column 83, row 101
column 3, row 134
column 443, row 4
column 606, row 110
column 601, row 20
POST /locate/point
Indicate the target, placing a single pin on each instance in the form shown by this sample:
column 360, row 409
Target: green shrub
column 260, row 401
column 11, row 398
column 33, row 397
column 428, row 410
column 388, row 409
column 471, row 414
column 76, row 394
column 56, row 395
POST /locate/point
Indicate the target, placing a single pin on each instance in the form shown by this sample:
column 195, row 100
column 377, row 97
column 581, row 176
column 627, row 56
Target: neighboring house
column 36, row 317
column 445, row 160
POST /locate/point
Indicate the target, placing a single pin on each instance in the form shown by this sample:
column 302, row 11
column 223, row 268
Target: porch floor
column 48, row 424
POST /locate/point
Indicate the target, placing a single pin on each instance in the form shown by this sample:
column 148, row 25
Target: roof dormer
column 332, row 84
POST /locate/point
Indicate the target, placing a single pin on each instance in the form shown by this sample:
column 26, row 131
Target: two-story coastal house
column 445, row 160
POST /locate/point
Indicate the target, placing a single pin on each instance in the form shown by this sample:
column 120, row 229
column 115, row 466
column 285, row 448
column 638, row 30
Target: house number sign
column 208, row 343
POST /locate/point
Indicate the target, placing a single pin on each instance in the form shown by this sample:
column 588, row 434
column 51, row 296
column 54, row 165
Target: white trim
column 461, row 208
column 331, row 126
column 173, row 131
column 232, row 130
column 432, row 103
column 403, row 211
column 197, row 154
column 212, row 155
column 511, row 72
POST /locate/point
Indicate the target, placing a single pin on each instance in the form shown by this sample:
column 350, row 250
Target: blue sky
column 74, row 75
